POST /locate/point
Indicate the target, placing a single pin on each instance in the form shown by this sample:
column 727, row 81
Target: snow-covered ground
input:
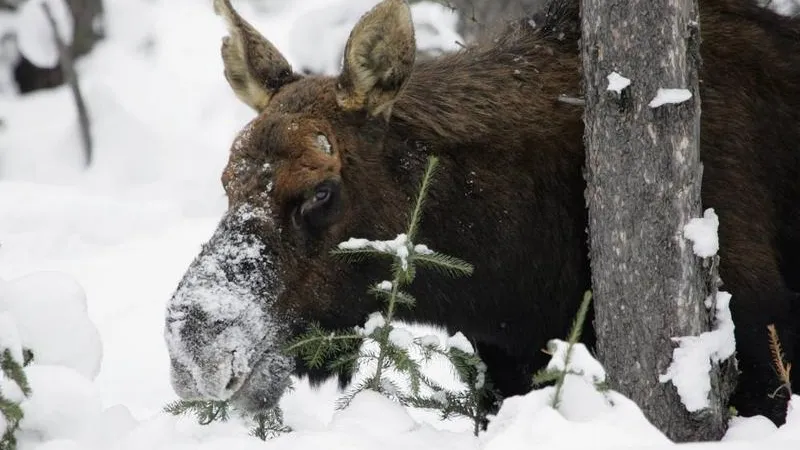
column 114, row 241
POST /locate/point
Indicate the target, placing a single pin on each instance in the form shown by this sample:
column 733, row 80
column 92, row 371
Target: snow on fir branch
column 344, row 351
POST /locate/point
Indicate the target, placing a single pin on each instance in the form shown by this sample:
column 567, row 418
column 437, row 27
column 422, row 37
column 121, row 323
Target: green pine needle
column 416, row 215
column 580, row 319
column 15, row 371
column 444, row 264
column 205, row 411
column 11, row 411
column 355, row 255
column 269, row 424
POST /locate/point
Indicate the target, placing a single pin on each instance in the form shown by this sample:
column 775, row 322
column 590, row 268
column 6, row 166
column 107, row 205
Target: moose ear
column 378, row 59
column 254, row 68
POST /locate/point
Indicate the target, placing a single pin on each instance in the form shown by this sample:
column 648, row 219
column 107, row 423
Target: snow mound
column 365, row 407
column 530, row 422
column 49, row 309
column 63, row 404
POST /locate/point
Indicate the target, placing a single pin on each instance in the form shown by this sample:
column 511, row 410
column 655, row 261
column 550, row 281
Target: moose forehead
column 290, row 147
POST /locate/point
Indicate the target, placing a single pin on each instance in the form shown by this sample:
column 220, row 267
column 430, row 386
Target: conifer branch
column 430, row 170
column 205, row 411
column 10, row 410
column 444, row 264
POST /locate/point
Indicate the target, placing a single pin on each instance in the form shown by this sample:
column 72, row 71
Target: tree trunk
column 643, row 176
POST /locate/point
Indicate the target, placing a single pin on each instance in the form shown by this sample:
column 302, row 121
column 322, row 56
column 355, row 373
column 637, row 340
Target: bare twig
column 575, row 101
column 71, row 78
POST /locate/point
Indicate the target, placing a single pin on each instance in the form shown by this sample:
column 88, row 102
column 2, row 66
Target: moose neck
column 493, row 94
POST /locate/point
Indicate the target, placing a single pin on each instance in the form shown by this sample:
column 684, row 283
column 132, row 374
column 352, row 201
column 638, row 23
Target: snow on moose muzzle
column 223, row 337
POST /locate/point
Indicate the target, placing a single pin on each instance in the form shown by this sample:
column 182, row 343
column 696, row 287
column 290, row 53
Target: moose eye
column 321, row 206
column 322, row 194
column 324, row 145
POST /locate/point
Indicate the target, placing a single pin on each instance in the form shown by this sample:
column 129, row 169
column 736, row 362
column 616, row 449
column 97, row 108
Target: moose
column 332, row 157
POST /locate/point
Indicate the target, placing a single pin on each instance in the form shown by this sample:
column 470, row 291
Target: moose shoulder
column 328, row 158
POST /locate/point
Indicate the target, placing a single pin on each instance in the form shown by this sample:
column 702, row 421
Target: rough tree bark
column 643, row 174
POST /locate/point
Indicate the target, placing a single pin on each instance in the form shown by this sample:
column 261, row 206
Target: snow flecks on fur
column 219, row 324
column 703, row 234
column 691, row 360
column 669, row 96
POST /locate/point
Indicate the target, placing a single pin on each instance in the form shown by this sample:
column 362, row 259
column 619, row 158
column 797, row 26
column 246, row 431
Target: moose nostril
column 232, row 383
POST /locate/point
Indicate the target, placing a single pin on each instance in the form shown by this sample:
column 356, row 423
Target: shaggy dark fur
column 509, row 197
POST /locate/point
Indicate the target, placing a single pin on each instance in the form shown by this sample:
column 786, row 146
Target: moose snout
column 209, row 360
column 222, row 321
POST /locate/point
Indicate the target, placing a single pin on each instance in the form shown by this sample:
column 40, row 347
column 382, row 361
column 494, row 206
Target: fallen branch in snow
column 71, row 78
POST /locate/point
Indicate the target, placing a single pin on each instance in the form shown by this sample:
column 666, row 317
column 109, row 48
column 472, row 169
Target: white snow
column 398, row 247
column 429, row 340
column 93, row 256
column 374, row 321
column 384, row 285
column 35, row 34
column 669, row 96
column 581, row 362
column 617, row 82
column 401, row 337
column 63, row 404
column 460, row 342
column 49, row 310
column 691, row 360
column 422, row 249
column 703, row 234
column 9, row 337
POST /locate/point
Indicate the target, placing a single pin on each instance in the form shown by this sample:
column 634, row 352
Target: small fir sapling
column 557, row 372
column 342, row 350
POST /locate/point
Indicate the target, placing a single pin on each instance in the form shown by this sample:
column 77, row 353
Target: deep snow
column 114, row 241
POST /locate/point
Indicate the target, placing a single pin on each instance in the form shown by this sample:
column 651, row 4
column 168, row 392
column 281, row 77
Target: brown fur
column 509, row 197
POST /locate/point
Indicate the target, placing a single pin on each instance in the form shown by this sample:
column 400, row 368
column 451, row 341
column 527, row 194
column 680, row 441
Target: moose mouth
column 222, row 330
column 262, row 388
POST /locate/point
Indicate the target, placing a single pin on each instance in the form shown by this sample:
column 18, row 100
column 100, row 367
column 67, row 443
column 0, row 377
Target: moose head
column 308, row 172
